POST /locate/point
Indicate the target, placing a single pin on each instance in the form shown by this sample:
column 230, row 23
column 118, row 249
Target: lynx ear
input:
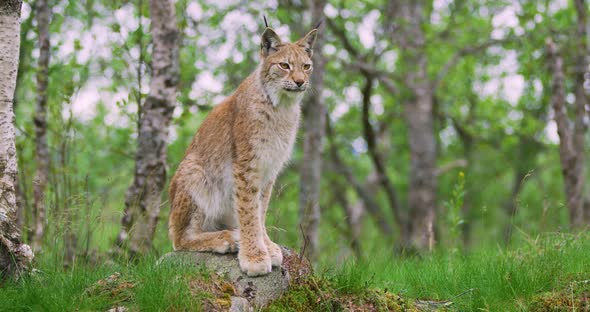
column 308, row 41
column 270, row 42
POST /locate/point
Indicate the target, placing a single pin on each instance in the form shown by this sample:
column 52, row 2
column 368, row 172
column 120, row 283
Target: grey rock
column 257, row 291
column 239, row 304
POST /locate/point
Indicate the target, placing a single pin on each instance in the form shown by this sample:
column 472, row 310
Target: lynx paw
column 276, row 255
column 255, row 265
column 226, row 247
column 229, row 244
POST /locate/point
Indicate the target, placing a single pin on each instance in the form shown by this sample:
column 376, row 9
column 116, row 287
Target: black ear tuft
column 319, row 24
column 270, row 42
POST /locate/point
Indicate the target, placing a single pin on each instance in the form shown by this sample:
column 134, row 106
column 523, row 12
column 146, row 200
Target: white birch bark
column 14, row 256
column 143, row 199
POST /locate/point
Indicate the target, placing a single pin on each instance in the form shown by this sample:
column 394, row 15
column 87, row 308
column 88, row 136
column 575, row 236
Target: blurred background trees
column 43, row 13
column 313, row 137
column 432, row 123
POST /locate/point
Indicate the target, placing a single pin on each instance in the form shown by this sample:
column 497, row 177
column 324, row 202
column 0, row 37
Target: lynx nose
column 299, row 83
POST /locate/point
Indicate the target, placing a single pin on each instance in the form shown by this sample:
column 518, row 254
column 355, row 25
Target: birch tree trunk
column 418, row 105
column 20, row 205
column 571, row 145
column 143, row 199
column 40, row 121
column 582, row 217
column 571, row 137
column 14, row 256
column 313, row 133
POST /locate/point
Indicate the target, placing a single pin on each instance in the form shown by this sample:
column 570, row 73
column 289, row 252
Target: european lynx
column 221, row 190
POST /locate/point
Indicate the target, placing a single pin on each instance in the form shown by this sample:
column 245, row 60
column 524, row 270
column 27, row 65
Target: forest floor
column 551, row 273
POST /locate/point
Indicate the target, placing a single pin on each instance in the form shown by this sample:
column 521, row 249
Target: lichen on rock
column 240, row 292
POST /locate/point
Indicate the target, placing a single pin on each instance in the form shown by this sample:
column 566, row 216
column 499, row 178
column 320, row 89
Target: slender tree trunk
column 365, row 194
column 378, row 159
column 353, row 216
column 419, row 119
column 127, row 221
column 313, row 133
column 526, row 152
column 69, row 212
column 15, row 257
column 571, row 145
column 40, row 120
column 511, row 204
column 467, row 140
column 581, row 103
column 143, row 199
column 422, row 183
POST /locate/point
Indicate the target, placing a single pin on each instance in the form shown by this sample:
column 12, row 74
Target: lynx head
column 286, row 67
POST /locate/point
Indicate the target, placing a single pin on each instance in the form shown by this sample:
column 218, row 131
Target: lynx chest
column 276, row 139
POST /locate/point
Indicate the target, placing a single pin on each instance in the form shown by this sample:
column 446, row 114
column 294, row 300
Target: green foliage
column 454, row 214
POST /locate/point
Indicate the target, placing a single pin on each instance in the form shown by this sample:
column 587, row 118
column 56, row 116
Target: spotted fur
column 221, row 190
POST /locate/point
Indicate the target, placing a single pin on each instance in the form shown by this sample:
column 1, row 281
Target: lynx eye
column 284, row 65
column 306, row 66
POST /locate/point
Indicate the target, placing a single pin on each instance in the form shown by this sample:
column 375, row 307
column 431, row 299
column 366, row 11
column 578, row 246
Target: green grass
column 143, row 286
column 489, row 279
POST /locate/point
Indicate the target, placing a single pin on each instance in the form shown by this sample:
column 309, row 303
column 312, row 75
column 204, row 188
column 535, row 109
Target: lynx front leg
column 253, row 253
column 276, row 255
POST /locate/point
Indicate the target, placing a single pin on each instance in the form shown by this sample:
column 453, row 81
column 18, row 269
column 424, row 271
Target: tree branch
column 473, row 49
column 570, row 153
column 457, row 163
column 339, row 32
column 580, row 72
column 558, row 96
column 457, row 6
column 368, row 201
column 361, row 63
column 376, row 157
